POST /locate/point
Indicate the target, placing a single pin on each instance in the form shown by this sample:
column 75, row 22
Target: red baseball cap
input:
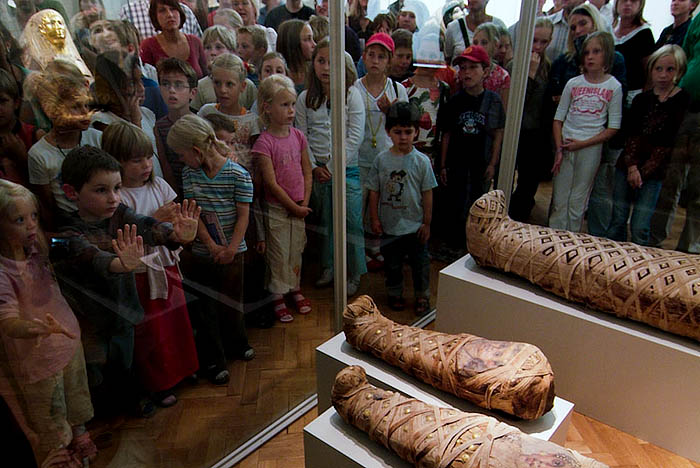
column 473, row 53
column 382, row 39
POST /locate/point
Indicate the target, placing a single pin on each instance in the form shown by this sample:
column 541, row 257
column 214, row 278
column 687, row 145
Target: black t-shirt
column 470, row 121
column 280, row 14
column 635, row 49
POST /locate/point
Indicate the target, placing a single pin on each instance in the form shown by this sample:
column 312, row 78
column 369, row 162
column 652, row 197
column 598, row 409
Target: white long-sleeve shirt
column 316, row 125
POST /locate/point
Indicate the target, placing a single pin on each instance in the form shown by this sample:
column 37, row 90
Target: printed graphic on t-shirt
column 471, row 123
column 394, row 188
column 589, row 100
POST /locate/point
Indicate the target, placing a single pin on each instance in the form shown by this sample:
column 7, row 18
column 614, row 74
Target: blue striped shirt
column 218, row 197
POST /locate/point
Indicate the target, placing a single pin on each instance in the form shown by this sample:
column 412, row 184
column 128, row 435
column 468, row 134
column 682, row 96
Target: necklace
column 375, row 130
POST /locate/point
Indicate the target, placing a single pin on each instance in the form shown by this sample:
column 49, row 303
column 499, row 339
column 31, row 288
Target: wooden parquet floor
column 586, row 435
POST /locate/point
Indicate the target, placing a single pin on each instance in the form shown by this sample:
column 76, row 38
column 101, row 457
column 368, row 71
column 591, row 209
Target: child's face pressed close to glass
column 307, row 42
column 100, row 196
column 175, row 90
column 322, row 66
column 402, row 137
column 227, row 87
column 273, row 66
column 22, row 224
column 137, row 171
column 213, row 49
column 376, row 59
column 593, row 57
column 281, row 110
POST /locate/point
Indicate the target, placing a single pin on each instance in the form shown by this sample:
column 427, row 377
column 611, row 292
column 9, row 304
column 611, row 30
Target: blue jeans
column 644, row 200
column 395, row 249
column 322, row 193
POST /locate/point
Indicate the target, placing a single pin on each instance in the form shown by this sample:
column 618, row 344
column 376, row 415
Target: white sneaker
column 325, row 279
column 353, row 286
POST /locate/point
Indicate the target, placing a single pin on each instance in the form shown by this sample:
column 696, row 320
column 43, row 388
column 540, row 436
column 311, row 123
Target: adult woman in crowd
column 89, row 11
column 635, row 41
column 248, row 9
column 357, row 19
column 583, row 21
column 200, row 8
column 461, row 31
column 682, row 12
column 168, row 17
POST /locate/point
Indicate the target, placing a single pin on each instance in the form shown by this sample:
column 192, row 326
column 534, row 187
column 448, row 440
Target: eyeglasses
column 178, row 85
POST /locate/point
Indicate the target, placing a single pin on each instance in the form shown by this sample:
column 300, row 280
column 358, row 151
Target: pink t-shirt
column 28, row 290
column 152, row 52
column 285, row 153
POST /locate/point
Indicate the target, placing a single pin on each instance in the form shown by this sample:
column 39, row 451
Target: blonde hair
column 257, row 35
column 269, row 88
column 271, row 56
column 638, row 18
column 491, row 31
column 671, row 50
column 221, row 34
column 231, row 16
column 125, row 141
column 320, row 26
column 232, row 63
column 192, row 131
column 10, row 192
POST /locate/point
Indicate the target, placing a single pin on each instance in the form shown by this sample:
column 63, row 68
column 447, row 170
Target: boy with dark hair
column 401, row 64
column 471, row 125
column 400, row 185
column 104, row 243
column 178, row 86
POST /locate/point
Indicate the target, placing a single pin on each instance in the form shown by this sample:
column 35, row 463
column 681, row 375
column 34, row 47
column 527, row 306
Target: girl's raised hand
column 186, row 221
column 129, row 247
column 166, row 213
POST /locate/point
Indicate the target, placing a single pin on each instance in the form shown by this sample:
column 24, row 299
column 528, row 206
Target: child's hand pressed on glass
column 129, row 247
column 166, row 213
column 48, row 326
column 186, row 221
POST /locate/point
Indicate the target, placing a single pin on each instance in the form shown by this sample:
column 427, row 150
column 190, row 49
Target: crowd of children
column 147, row 209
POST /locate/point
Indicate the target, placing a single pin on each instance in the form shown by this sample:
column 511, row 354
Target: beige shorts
column 285, row 239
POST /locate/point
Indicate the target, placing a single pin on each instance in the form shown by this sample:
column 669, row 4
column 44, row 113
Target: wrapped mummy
column 433, row 437
column 512, row 377
column 658, row 287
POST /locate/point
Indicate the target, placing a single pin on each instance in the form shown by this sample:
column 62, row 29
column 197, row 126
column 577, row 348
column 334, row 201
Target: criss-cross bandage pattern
column 512, row 377
column 432, row 437
column 658, row 287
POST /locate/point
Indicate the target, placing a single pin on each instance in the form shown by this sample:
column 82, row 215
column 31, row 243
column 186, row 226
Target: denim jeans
column 644, row 199
column 395, row 249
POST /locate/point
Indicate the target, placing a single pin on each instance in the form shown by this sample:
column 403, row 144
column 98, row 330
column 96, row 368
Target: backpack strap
column 465, row 34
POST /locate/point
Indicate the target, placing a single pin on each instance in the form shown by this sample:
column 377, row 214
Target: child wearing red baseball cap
column 471, row 127
column 378, row 92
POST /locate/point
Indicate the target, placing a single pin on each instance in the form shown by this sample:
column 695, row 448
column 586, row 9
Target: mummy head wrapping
column 432, row 437
column 658, row 287
column 512, row 377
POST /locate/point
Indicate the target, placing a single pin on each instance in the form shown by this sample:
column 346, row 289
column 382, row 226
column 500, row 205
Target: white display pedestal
column 329, row 441
column 336, row 354
column 634, row 377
